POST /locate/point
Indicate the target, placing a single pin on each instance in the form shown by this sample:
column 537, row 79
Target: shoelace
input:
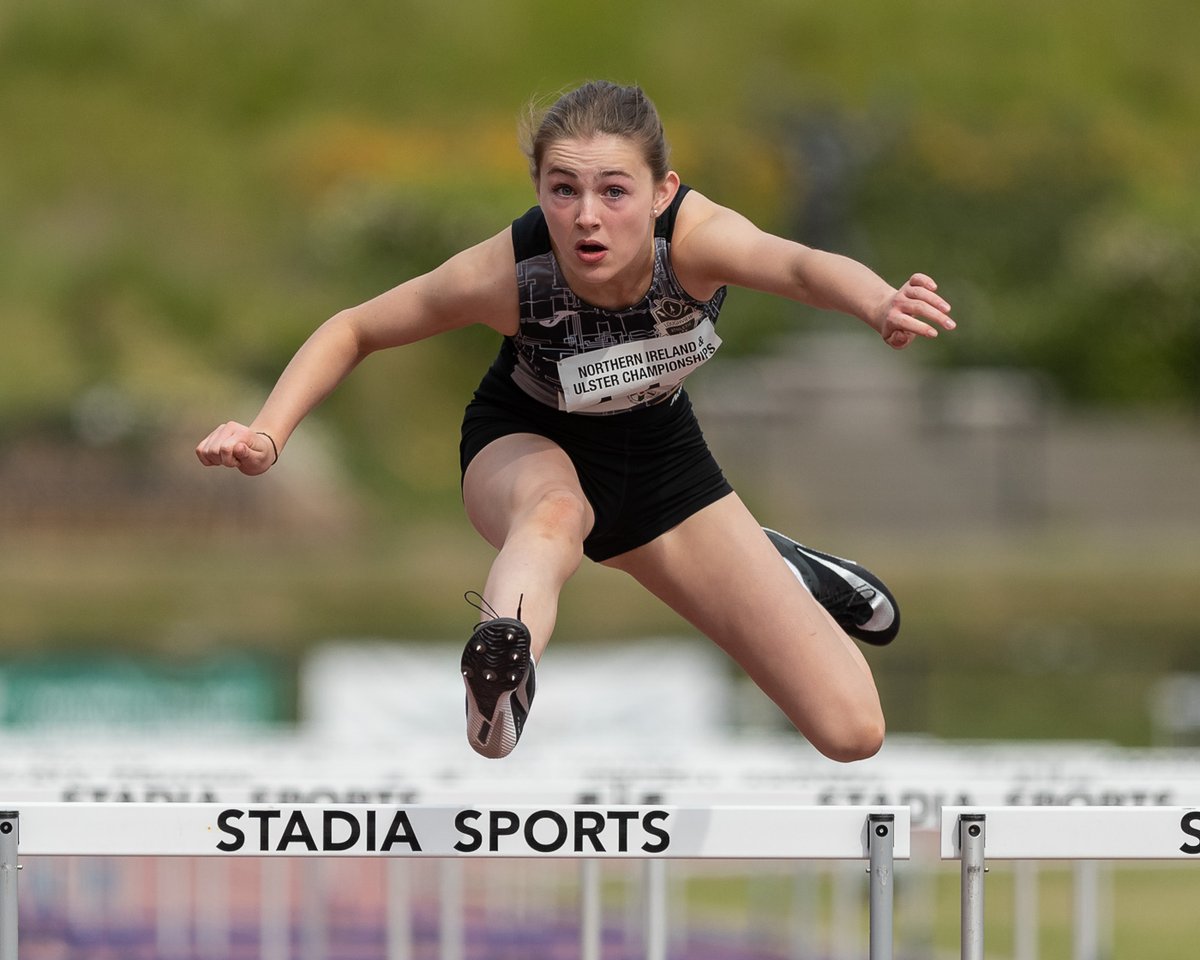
column 477, row 600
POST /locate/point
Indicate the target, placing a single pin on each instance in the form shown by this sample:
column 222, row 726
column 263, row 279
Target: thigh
column 719, row 571
column 512, row 474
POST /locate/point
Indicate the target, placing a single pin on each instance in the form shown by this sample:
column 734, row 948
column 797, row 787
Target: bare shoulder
column 696, row 212
column 708, row 242
column 719, row 246
column 478, row 285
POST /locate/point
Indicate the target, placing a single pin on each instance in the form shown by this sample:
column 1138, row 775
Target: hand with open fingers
column 915, row 310
column 235, row 445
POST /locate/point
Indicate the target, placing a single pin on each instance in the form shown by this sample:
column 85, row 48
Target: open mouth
column 590, row 251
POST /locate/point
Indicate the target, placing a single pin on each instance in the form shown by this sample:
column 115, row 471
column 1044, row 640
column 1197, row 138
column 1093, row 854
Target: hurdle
column 589, row 833
column 975, row 835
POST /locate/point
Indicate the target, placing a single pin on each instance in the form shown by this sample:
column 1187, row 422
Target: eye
column 614, row 193
column 562, row 190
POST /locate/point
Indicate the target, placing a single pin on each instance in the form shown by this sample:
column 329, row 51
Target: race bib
column 630, row 374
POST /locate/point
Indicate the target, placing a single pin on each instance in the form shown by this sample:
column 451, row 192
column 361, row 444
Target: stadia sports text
column 371, row 830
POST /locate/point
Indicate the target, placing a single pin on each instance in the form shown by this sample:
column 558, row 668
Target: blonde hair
column 594, row 109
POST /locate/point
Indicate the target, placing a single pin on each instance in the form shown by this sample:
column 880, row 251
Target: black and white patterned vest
column 573, row 356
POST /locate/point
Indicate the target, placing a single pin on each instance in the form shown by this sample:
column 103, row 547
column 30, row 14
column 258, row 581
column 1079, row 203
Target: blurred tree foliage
column 188, row 189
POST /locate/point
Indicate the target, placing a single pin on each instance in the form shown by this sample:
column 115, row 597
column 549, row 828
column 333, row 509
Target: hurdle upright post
column 655, row 917
column 9, row 867
column 972, row 833
column 590, row 901
column 880, row 846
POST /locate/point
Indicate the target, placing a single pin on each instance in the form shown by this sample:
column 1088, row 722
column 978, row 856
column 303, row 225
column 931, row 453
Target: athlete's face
column 600, row 201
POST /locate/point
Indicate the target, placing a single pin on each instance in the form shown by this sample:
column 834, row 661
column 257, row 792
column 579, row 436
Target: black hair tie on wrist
column 274, row 449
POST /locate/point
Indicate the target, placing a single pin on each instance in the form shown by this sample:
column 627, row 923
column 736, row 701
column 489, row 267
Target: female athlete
column 581, row 441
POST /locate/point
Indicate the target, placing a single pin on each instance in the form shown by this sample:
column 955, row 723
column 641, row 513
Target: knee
column 559, row 514
column 857, row 739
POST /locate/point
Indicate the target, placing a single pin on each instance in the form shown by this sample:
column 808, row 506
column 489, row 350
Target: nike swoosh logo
column 882, row 613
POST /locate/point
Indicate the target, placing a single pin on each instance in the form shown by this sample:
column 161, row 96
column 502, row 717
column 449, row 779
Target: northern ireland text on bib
column 628, row 374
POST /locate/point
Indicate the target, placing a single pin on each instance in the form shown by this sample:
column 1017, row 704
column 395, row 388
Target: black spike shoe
column 497, row 669
column 855, row 598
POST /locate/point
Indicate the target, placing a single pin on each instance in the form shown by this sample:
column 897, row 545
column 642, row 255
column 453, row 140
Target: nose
column 586, row 216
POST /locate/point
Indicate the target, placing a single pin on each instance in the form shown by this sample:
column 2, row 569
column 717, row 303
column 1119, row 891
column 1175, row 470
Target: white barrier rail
column 974, row 835
column 587, row 833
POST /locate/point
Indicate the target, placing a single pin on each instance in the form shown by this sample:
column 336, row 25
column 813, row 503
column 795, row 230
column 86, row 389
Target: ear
column 664, row 192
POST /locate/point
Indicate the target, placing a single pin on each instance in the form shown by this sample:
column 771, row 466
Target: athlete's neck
column 616, row 291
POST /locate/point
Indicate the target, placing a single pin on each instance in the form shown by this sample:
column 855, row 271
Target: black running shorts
column 644, row 471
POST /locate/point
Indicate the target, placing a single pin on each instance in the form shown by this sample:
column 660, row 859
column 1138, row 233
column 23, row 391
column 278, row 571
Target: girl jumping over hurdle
column 581, row 441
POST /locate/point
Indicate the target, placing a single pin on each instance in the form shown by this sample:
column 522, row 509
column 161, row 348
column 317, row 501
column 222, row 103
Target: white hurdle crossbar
column 585, row 832
column 977, row 834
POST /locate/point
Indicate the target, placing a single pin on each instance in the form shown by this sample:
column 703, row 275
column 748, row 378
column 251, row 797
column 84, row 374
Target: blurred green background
column 187, row 190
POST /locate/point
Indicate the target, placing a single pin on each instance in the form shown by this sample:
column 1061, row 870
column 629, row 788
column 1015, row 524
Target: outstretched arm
column 477, row 285
column 717, row 246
